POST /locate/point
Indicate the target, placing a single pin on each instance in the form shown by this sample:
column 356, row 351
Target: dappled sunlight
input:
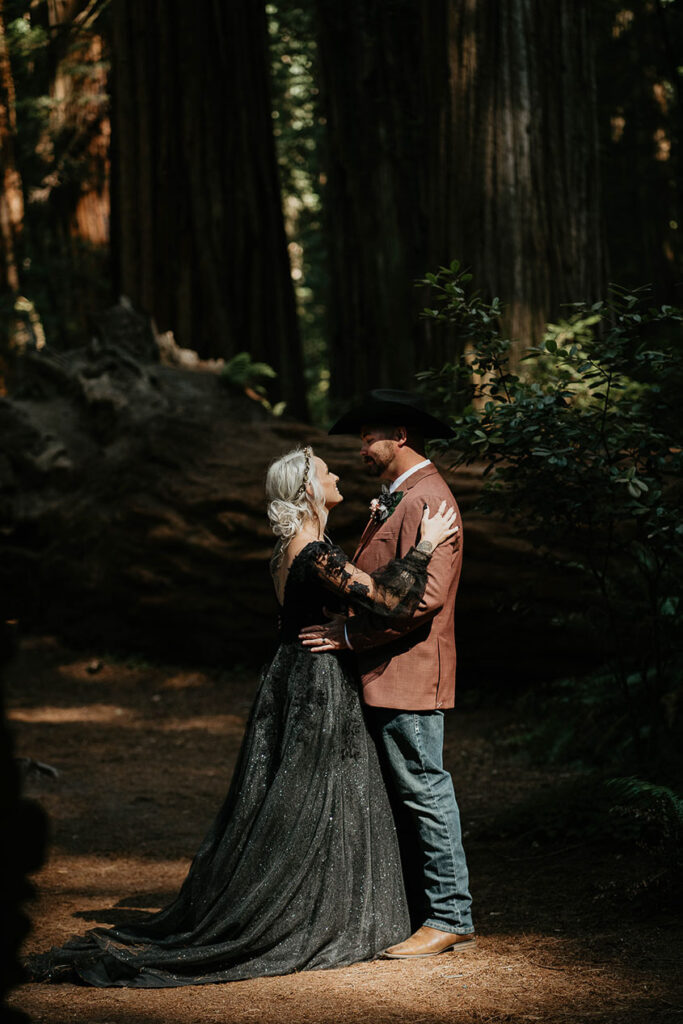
column 91, row 713
column 138, row 789
column 109, row 714
column 98, row 671
column 217, row 725
column 184, row 681
column 99, row 889
column 486, row 987
column 93, row 873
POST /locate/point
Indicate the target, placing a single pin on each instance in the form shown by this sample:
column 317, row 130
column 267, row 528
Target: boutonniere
column 381, row 508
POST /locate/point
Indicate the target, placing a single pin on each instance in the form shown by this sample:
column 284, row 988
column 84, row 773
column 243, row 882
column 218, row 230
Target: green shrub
column 583, row 449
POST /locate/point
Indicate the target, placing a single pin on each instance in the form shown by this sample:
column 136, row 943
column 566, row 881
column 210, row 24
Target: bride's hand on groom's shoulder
column 329, row 636
column 439, row 527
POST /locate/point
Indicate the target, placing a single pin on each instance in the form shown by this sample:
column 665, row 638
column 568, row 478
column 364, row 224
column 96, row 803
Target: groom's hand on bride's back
column 328, row 636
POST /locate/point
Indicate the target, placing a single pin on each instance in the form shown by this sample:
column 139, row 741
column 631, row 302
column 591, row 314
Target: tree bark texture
column 373, row 64
column 526, row 206
column 198, row 231
column 456, row 129
column 641, row 108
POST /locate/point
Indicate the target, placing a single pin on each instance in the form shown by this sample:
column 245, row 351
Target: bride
column 300, row 870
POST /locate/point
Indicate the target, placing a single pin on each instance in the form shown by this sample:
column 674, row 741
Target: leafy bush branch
column 583, row 447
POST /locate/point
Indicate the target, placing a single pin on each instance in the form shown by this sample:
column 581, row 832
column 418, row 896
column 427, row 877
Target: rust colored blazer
column 410, row 665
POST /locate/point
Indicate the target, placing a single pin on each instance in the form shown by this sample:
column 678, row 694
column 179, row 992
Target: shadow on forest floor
column 145, row 755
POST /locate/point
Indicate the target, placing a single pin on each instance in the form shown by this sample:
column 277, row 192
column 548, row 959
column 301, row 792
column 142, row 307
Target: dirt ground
column 145, row 753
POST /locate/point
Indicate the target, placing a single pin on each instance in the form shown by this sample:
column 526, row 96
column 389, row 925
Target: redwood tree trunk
column 198, row 230
column 374, row 65
column 456, row 129
column 11, row 197
column 526, row 211
column 641, row 106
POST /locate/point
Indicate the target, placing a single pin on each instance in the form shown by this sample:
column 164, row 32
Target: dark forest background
column 479, row 198
column 274, row 178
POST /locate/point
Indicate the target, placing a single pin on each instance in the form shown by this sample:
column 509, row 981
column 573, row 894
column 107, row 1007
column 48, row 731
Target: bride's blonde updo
column 289, row 503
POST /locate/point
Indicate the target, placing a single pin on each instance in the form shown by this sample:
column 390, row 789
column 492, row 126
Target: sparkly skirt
column 299, row 871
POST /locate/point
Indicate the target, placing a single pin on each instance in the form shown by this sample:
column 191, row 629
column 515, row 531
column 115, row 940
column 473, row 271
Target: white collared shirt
column 395, row 484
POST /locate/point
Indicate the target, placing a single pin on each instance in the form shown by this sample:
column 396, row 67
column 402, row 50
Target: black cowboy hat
column 394, row 408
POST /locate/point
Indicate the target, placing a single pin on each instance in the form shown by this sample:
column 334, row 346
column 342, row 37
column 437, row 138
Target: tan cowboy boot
column 428, row 941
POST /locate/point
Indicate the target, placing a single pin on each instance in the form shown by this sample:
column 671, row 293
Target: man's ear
column 400, row 436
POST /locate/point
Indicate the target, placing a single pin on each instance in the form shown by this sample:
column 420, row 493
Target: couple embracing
column 339, row 838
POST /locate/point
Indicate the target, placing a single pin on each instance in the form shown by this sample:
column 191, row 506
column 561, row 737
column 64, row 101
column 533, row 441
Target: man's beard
column 372, row 468
column 377, row 463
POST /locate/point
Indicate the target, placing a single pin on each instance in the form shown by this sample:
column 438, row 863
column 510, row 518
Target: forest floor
column 145, row 753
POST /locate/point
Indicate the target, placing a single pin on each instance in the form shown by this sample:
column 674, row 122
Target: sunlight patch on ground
column 478, row 988
column 184, row 681
column 109, row 713
column 217, row 725
column 98, row 670
column 94, row 872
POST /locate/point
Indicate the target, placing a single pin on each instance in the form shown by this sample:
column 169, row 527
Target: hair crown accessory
column 307, row 453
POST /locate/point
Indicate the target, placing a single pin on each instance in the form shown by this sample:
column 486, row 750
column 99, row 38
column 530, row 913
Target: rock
column 122, row 329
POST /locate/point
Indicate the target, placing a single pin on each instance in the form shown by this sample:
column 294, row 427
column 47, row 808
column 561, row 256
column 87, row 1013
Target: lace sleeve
column 395, row 590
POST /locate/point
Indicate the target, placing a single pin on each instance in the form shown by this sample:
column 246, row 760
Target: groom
column 408, row 669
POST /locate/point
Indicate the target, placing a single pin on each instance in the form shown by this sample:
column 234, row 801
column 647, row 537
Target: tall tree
column 11, row 195
column 641, row 106
column 373, row 67
column 198, row 236
column 59, row 67
column 526, row 201
column 458, row 128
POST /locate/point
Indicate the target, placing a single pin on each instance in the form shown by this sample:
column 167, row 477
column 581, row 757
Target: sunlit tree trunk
column 61, row 78
column 11, row 198
column 456, row 129
column 78, row 89
column 198, row 229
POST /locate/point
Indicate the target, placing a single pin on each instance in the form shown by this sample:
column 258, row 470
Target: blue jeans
column 427, row 818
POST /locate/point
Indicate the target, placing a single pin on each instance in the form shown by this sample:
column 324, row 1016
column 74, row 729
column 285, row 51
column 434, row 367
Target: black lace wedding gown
column 301, row 869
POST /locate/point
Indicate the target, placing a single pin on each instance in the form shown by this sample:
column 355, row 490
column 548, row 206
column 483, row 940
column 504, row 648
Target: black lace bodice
column 321, row 576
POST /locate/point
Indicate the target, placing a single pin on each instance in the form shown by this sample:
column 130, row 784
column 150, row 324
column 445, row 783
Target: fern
column 242, row 374
column 636, row 792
